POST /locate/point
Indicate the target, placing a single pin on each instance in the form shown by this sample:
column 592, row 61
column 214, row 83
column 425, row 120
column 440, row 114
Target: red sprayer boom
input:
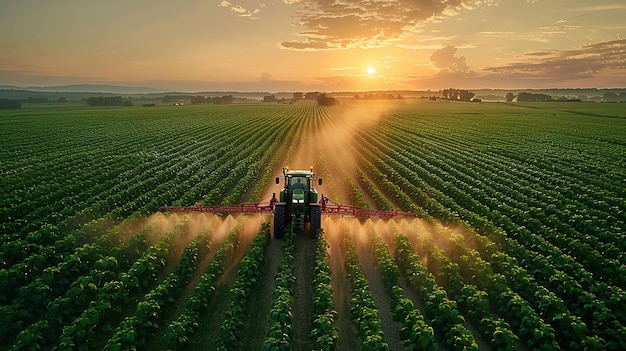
column 245, row 208
column 330, row 207
column 296, row 206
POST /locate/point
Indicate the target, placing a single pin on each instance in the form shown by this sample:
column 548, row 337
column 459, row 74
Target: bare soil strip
column 303, row 296
column 348, row 338
column 208, row 333
column 259, row 307
column 390, row 327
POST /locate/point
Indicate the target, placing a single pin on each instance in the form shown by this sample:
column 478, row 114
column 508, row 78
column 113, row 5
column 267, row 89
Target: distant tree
column 323, row 100
column 269, row 98
column 37, row 100
column 226, row 99
column 6, row 104
column 61, row 100
column 173, row 98
column 610, row 97
column 622, row 97
column 530, row 97
column 595, row 98
column 108, row 101
column 198, row 100
column 465, row 95
column 543, row 97
column 509, row 97
column 446, row 93
column 582, row 97
column 457, row 94
column 379, row 97
column 453, row 94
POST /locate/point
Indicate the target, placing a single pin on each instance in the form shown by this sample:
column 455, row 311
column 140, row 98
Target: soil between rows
column 260, row 305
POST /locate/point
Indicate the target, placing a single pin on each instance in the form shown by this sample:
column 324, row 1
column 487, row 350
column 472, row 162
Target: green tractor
column 298, row 203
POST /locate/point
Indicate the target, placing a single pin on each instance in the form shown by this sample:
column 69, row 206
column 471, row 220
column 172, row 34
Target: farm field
column 520, row 241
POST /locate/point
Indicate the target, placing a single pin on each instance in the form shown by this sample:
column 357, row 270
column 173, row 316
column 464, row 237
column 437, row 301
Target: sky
column 316, row 45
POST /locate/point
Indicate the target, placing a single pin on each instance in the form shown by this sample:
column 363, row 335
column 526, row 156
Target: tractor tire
column 279, row 220
column 316, row 219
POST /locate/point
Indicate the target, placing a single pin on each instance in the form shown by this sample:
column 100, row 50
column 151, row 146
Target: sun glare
column 371, row 70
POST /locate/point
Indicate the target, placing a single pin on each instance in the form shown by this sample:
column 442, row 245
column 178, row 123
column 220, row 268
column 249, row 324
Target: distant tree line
column 379, row 96
column 613, row 97
column 6, row 104
column 108, row 101
column 457, row 94
column 531, row 97
column 37, row 100
column 226, row 99
column 173, row 98
column 17, row 103
column 323, row 100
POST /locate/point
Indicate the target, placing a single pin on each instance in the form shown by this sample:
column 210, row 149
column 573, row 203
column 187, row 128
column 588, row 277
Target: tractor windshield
column 298, row 182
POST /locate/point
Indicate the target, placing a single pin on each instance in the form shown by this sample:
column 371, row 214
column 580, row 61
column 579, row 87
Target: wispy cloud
column 583, row 63
column 350, row 68
column 242, row 11
column 329, row 24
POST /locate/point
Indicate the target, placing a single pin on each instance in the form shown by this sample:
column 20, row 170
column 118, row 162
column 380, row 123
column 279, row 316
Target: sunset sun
column 371, row 70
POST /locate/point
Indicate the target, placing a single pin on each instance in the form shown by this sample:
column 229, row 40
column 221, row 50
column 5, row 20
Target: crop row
column 178, row 331
column 363, row 308
column 63, row 291
column 324, row 332
column 135, row 330
column 248, row 272
column 107, row 307
column 399, row 172
column 416, row 332
column 281, row 314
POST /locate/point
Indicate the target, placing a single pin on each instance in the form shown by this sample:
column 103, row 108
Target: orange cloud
column 363, row 23
column 583, row 63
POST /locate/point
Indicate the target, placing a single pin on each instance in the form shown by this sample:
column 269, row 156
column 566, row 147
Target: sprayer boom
column 245, row 208
column 330, row 207
column 297, row 206
column 248, row 208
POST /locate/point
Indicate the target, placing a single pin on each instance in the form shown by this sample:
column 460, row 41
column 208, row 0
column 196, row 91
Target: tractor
column 298, row 204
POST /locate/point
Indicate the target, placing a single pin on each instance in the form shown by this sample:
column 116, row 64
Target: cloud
column 330, row 24
column 583, row 63
column 242, row 11
column 446, row 61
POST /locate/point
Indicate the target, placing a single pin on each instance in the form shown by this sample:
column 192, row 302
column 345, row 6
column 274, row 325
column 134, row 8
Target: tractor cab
column 298, row 201
column 298, row 186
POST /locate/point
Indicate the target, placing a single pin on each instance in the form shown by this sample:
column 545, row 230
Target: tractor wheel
column 279, row 220
column 316, row 219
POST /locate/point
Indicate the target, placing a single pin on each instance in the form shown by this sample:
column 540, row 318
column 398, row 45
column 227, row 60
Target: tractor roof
column 299, row 172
